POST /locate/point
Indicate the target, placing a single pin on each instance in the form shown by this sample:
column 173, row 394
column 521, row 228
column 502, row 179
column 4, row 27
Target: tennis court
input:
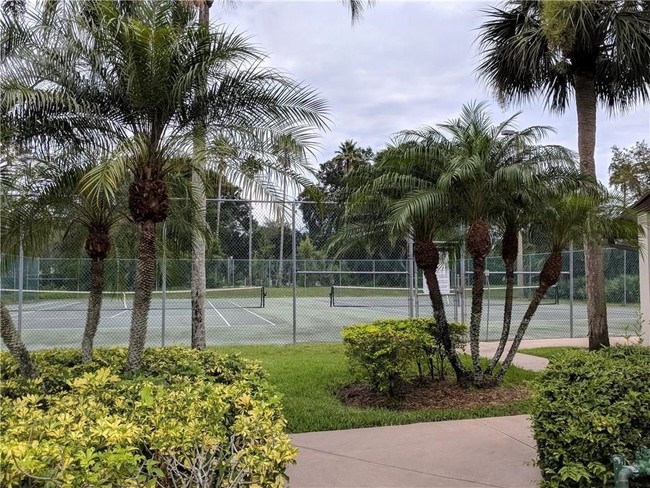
column 258, row 315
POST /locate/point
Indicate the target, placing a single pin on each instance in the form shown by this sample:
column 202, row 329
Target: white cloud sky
column 404, row 65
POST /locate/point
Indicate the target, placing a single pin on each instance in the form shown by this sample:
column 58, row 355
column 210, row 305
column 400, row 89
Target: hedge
column 588, row 407
column 187, row 418
column 386, row 352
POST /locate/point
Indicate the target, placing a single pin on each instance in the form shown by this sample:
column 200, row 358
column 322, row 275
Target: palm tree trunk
column 284, row 196
column 144, row 278
column 477, row 241
column 509, row 254
column 427, row 258
column 198, row 240
column 478, row 285
column 94, row 308
column 15, row 344
column 547, row 278
column 198, row 251
column 594, row 274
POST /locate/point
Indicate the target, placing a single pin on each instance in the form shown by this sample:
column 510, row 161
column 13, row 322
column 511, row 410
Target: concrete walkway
column 496, row 452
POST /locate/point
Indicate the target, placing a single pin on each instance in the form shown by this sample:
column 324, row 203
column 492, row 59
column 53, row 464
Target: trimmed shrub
column 187, row 418
column 588, row 407
column 386, row 352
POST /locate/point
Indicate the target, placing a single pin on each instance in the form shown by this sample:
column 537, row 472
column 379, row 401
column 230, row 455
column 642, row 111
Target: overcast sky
column 403, row 66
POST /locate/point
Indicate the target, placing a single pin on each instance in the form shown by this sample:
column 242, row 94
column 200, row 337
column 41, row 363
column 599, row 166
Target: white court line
column 118, row 314
column 253, row 313
column 48, row 304
column 220, row 315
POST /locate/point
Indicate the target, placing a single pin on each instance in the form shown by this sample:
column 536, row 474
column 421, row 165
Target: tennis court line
column 253, row 313
column 118, row 314
column 48, row 304
column 220, row 314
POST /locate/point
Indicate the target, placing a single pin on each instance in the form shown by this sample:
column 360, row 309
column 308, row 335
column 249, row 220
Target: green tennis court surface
column 245, row 316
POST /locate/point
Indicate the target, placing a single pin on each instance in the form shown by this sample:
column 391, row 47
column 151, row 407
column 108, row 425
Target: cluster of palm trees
column 481, row 182
column 591, row 53
column 106, row 99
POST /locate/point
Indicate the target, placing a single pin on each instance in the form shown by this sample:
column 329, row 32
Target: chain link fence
column 276, row 281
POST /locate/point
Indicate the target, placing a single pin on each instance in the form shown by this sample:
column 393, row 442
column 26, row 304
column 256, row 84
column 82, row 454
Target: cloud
column 404, row 65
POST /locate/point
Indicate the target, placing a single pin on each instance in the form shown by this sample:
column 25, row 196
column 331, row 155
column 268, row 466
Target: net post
column 262, row 297
column 332, row 296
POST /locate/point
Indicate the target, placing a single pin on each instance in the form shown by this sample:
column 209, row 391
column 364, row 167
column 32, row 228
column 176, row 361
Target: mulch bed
column 437, row 394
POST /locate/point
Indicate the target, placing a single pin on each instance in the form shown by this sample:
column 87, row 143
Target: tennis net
column 57, row 300
column 361, row 296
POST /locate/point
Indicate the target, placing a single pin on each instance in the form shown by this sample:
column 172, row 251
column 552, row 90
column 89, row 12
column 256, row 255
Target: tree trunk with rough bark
column 585, row 90
column 547, row 277
column 94, row 308
column 15, row 344
column 427, row 258
column 198, row 282
column 509, row 252
column 281, row 257
column 144, row 279
column 478, row 245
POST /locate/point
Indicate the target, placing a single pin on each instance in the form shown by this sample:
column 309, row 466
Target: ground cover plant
column 587, row 407
column 308, row 376
column 186, row 418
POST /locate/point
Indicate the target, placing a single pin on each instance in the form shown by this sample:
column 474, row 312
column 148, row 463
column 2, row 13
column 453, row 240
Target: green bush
column 187, row 418
column 588, row 407
column 386, row 352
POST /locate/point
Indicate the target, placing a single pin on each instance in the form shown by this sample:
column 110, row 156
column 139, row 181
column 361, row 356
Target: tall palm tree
column 348, row 155
column 138, row 65
column 290, row 153
column 198, row 282
column 597, row 51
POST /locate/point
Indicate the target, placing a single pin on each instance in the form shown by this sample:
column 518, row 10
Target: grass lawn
column 549, row 352
column 307, row 374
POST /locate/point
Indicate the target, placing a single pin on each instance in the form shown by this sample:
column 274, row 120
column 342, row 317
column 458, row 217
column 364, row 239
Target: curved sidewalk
column 493, row 452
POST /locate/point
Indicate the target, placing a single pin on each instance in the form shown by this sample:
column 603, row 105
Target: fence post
column 21, row 269
column 409, row 267
column 164, row 285
column 250, row 246
column 462, row 277
column 487, row 315
column 624, row 277
column 571, row 290
column 293, row 265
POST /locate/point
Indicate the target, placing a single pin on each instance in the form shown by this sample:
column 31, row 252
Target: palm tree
column 600, row 51
column 409, row 173
column 290, row 153
column 53, row 208
column 15, row 344
column 561, row 217
column 348, row 156
column 141, row 63
column 485, row 173
column 356, row 8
